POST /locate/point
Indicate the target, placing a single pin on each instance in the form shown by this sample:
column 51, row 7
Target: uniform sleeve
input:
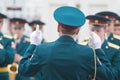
column 102, row 56
column 2, row 56
column 29, row 65
column 10, row 52
column 116, row 64
column 104, row 69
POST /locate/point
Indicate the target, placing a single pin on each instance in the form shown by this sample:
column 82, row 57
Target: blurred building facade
column 43, row 10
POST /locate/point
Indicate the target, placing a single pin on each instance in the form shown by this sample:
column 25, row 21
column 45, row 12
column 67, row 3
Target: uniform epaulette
column 85, row 39
column 84, row 43
column 7, row 36
column 116, row 36
column 113, row 45
column 27, row 39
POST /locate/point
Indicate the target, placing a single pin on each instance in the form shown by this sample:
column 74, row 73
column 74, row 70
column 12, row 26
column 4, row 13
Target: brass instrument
column 13, row 70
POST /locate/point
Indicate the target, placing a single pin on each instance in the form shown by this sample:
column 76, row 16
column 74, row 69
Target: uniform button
column 106, row 47
column 112, row 38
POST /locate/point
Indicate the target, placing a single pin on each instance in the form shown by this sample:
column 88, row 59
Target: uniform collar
column 65, row 38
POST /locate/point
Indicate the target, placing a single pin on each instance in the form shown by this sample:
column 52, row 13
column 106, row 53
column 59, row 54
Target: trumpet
column 13, row 68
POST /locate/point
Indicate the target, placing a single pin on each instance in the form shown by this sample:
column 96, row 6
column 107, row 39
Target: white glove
column 94, row 41
column 36, row 36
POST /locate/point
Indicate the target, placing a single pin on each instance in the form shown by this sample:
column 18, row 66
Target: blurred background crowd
column 43, row 10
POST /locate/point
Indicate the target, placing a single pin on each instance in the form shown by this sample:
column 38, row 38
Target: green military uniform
column 6, row 55
column 33, row 24
column 38, row 75
column 112, row 37
column 64, row 59
column 22, row 43
column 111, row 50
column 6, row 51
column 20, row 49
column 113, row 53
column 58, row 52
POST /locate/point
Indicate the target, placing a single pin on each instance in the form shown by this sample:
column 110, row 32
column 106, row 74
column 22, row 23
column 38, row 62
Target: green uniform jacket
column 116, row 40
column 63, row 59
column 112, row 52
column 38, row 75
column 6, row 54
column 20, row 49
column 23, row 45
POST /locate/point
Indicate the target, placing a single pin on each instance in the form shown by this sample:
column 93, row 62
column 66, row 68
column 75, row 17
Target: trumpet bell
column 13, row 68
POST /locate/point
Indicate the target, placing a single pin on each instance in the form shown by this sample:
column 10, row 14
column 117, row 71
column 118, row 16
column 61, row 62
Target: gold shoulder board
column 7, row 36
column 113, row 45
column 27, row 39
column 116, row 36
column 84, row 43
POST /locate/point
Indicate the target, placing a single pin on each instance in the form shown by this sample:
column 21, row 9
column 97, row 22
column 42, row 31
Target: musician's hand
column 13, row 45
column 17, row 57
column 95, row 41
column 36, row 36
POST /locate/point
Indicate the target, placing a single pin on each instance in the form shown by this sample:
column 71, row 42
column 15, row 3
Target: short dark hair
column 66, row 29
